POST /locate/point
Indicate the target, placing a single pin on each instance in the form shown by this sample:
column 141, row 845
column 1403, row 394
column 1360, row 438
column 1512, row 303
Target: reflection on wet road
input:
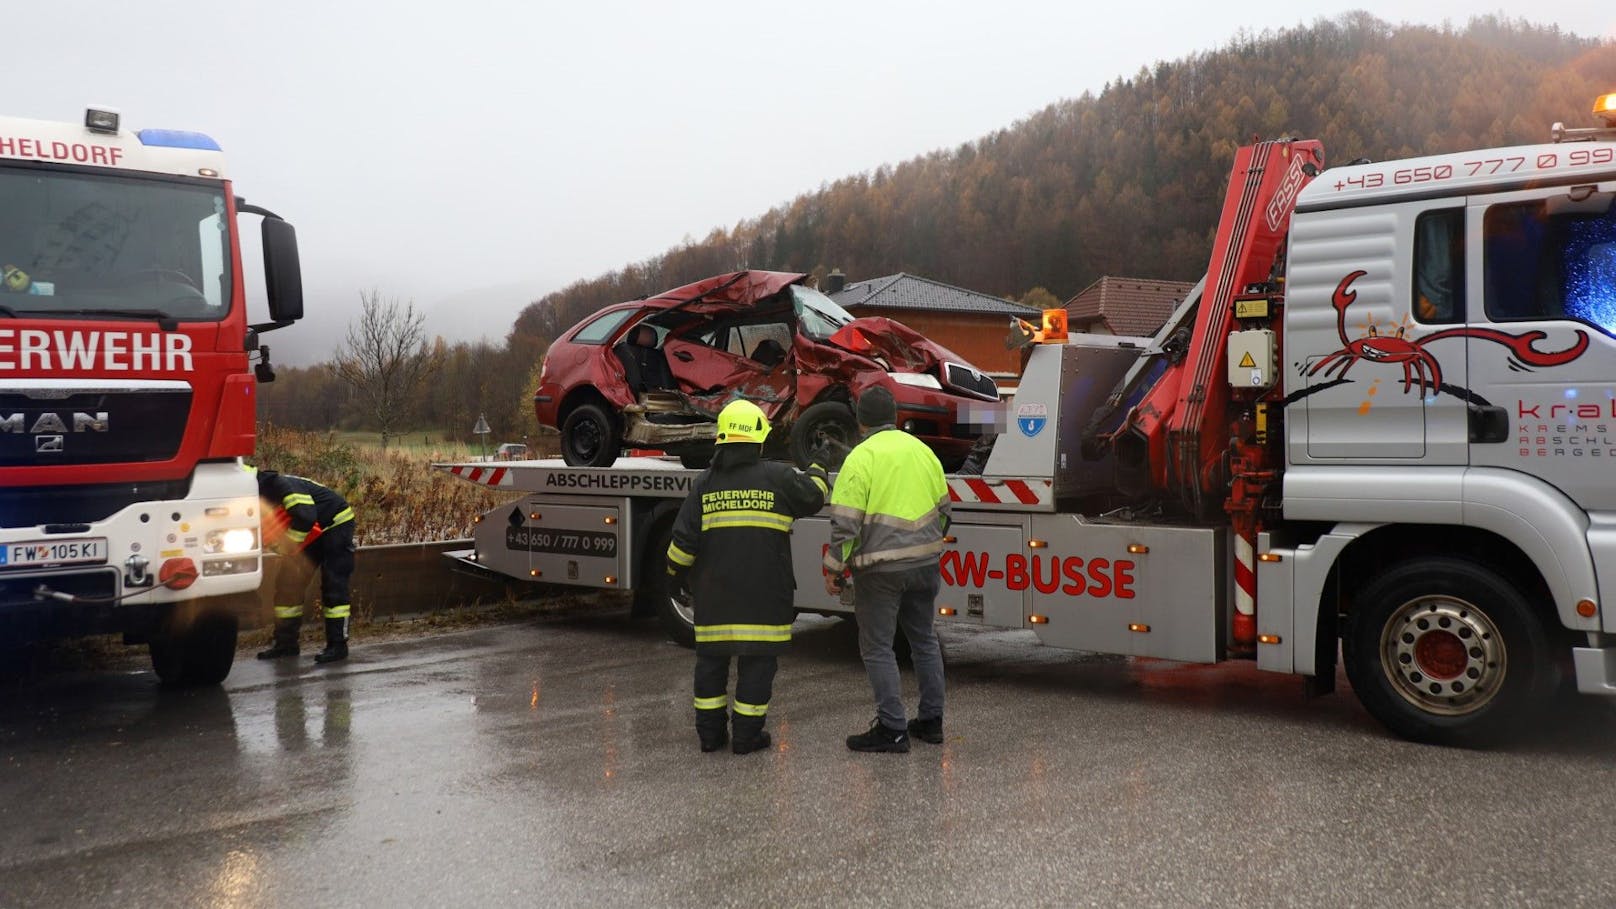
column 554, row 763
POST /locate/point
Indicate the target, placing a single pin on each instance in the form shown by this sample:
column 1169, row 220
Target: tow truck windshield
column 76, row 244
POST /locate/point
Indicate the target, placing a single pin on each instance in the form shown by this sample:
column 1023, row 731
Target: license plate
column 53, row 552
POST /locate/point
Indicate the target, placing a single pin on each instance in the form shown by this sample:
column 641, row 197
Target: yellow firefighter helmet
column 742, row 421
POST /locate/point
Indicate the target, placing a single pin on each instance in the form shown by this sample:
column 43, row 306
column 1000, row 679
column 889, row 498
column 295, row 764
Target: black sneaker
column 927, row 730
column 880, row 738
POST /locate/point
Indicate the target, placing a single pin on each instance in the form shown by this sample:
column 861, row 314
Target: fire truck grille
column 92, row 426
column 31, row 506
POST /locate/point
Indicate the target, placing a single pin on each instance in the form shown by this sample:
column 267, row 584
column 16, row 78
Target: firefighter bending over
column 733, row 540
column 311, row 527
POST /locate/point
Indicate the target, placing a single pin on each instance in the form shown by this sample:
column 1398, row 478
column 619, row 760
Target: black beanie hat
column 876, row 408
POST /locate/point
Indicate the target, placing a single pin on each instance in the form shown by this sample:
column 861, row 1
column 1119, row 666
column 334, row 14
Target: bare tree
column 385, row 359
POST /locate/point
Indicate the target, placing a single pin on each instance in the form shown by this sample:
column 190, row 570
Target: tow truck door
column 1541, row 352
column 1381, row 379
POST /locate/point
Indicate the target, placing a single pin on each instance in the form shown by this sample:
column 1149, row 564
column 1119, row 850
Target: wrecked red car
column 654, row 373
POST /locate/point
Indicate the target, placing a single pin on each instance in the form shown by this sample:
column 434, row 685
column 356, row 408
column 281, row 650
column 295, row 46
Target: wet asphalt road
column 553, row 763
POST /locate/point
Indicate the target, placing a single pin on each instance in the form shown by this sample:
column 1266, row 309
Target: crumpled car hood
column 899, row 346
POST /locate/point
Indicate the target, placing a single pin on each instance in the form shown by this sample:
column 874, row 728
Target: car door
column 712, row 366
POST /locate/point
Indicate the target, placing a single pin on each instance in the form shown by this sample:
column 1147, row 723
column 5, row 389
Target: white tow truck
column 1382, row 428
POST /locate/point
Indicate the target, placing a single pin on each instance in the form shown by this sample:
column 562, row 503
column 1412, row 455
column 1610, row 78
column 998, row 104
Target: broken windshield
column 71, row 243
column 818, row 315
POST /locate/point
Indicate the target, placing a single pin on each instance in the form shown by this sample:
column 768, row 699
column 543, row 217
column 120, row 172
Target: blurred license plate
column 53, row 552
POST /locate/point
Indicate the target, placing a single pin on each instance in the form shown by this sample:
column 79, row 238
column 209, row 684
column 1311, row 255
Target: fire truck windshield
column 73, row 244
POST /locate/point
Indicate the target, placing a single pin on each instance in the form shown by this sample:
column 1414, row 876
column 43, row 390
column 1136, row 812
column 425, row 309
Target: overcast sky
column 473, row 155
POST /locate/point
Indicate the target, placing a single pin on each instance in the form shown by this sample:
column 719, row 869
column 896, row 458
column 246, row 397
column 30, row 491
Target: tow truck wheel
column 195, row 648
column 829, row 423
column 1448, row 652
column 656, row 594
column 589, row 437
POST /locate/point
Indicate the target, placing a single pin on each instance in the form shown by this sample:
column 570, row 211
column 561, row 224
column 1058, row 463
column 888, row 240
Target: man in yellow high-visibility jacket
column 888, row 513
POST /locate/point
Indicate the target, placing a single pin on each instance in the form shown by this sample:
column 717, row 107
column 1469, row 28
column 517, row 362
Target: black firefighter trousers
column 754, row 684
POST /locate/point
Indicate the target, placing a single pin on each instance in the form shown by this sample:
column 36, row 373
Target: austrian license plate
column 53, row 552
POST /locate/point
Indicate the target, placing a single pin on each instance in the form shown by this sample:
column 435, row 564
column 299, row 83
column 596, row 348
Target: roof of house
column 1128, row 306
column 906, row 291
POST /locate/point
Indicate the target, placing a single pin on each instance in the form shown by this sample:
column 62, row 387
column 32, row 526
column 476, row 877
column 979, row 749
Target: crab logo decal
column 1418, row 364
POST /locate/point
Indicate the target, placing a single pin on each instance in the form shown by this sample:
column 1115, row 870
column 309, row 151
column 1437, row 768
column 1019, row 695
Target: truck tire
column 656, row 595
column 195, row 649
column 827, row 421
column 589, row 437
column 1448, row 652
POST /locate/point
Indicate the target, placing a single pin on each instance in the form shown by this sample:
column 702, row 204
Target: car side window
column 1551, row 259
column 597, row 331
column 754, row 335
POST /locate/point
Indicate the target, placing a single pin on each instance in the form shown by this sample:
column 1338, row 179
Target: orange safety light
column 945, row 610
column 1605, row 107
column 1054, row 328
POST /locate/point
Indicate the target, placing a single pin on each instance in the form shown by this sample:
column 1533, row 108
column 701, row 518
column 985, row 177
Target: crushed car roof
column 728, row 291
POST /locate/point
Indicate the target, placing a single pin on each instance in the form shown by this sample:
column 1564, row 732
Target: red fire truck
column 1379, row 431
column 127, row 390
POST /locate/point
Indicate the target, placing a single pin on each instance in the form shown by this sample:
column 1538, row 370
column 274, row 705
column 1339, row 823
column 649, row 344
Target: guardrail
column 406, row 578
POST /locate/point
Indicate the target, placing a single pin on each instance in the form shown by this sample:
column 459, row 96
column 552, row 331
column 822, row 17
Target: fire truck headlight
column 230, row 542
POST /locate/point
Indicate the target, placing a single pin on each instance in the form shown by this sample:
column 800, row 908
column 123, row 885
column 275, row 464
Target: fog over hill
column 470, row 315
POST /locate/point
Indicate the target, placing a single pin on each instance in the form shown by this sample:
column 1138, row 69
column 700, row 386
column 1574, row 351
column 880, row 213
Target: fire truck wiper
column 164, row 321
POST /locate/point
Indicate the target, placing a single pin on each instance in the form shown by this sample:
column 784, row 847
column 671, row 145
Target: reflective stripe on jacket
column 890, row 506
column 733, row 534
column 303, row 503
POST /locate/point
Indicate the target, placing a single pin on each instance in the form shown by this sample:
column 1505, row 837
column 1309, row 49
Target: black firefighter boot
column 336, row 642
column 712, row 727
column 285, row 644
column 749, row 735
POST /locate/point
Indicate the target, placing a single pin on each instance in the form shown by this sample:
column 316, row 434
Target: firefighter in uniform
column 732, row 549
column 311, row 527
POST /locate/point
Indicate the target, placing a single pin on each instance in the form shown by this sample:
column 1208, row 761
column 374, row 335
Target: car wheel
column 1447, row 651
column 589, row 437
column 828, row 423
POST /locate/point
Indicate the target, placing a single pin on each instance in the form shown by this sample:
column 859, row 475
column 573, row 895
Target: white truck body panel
column 222, row 497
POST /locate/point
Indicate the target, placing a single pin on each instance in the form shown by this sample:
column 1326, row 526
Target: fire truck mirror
column 283, row 275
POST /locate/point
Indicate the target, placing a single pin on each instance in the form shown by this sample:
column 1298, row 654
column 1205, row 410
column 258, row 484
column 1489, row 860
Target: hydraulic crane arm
column 1179, row 429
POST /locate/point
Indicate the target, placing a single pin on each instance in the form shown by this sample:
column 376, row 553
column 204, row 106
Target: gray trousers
column 882, row 602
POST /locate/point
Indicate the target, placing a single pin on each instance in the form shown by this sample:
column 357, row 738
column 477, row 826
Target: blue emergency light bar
column 177, row 138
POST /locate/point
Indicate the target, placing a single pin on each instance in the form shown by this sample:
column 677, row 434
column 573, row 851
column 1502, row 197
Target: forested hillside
column 1126, row 182
column 1129, row 181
